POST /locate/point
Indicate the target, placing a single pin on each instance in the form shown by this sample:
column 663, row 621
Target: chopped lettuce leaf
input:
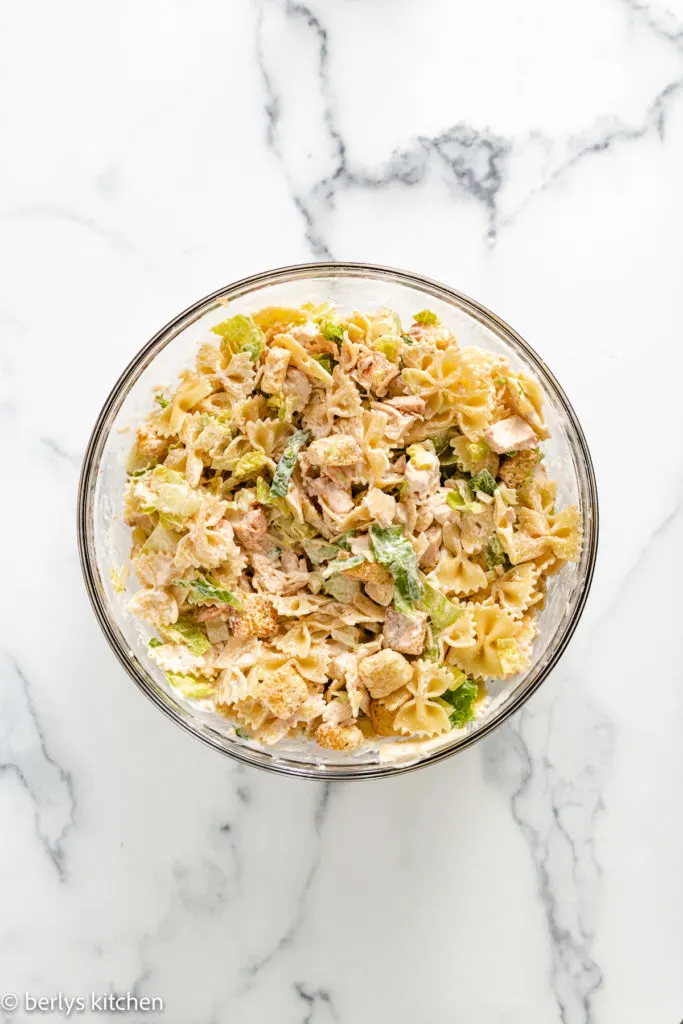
column 206, row 590
column 249, row 465
column 425, row 316
column 239, row 332
column 190, row 686
column 326, row 362
column 262, row 491
column 477, row 451
column 484, row 482
column 509, row 655
column 156, row 642
column 341, row 588
column 393, row 550
column 285, row 467
column 165, row 490
column 454, row 499
column 406, row 339
column 161, row 400
column 290, row 529
column 461, row 700
column 254, row 348
column 319, row 551
column 441, row 612
column 342, row 540
column 495, row 553
column 420, row 457
column 389, row 346
column 340, row 564
column 331, row 330
column 184, row 632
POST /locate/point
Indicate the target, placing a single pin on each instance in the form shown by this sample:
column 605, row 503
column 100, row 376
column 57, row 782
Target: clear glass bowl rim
column 100, row 432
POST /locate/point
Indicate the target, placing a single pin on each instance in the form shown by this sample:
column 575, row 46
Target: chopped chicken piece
column 289, row 561
column 512, row 434
column 251, row 530
column 399, row 466
column 297, row 388
column 376, row 372
column 368, row 572
column 382, row 719
column 336, row 450
column 151, row 443
column 303, row 333
column 380, row 593
column 334, row 496
column 283, row 691
column 338, row 737
column 515, row 470
column 410, row 405
column 259, row 618
column 384, row 672
column 430, row 556
column 404, row 633
column 275, row 370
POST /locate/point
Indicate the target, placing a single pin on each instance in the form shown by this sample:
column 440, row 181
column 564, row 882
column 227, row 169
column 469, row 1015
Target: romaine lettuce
column 285, row 467
column 393, row 550
column 206, row 590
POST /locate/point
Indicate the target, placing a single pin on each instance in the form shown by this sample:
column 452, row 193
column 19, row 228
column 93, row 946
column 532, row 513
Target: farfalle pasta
column 342, row 527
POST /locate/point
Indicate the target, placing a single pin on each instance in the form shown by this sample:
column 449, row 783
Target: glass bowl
column 104, row 539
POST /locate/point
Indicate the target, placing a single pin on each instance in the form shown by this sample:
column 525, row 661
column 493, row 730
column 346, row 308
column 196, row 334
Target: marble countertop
column 530, row 155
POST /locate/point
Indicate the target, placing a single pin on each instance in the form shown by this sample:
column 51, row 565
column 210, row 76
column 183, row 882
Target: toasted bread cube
column 338, row 737
column 369, row 572
column 151, row 443
column 258, row 619
column 517, row 468
column 382, row 719
column 384, row 672
column 283, row 691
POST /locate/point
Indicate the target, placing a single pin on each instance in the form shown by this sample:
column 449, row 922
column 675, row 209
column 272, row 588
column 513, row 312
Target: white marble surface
column 530, row 154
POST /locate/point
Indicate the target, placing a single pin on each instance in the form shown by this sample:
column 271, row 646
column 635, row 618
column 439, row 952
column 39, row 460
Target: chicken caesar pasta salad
column 342, row 526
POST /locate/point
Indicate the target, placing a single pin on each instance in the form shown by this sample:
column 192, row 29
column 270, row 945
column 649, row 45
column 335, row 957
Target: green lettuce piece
column 326, row 362
column 319, row 551
column 441, row 612
column 342, row 541
column 165, row 490
column 340, row 564
column 477, row 451
column 190, row 686
column 156, row 642
column 206, row 590
column 510, row 658
column 341, row 588
column 161, row 400
column 240, row 333
column 484, row 482
column 254, row 349
column 407, row 340
column 425, row 316
column 461, row 700
column 394, row 551
column 454, row 499
column 285, row 467
column 495, row 553
column 262, row 491
column 290, row 529
column 184, row 632
column 389, row 346
column 249, row 465
column 331, row 330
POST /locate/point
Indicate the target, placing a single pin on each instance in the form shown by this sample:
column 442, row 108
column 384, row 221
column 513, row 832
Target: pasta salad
column 342, row 526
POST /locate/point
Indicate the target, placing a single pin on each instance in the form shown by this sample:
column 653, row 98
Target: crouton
column 336, row 450
column 338, row 737
column 509, row 435
column 382, row 719
column 516, row 469
column 403, row 632
column 283, row 691
column 384, row 672
column 369, row 572
column 258, row 619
